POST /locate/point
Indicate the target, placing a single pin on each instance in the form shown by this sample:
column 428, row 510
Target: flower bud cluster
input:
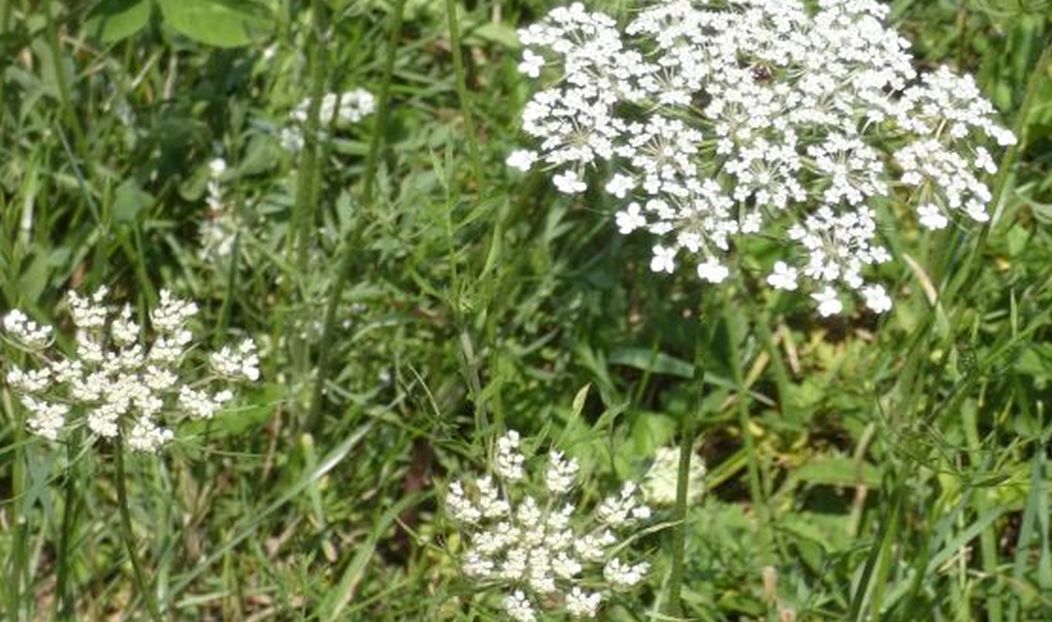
column 119, row 382
column 789, row 120
column 543, row 552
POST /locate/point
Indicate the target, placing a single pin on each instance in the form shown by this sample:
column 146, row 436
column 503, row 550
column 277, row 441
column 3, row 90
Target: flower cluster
column 536, row 549
column 335, row 109
column 720, row 120
column 119, row 383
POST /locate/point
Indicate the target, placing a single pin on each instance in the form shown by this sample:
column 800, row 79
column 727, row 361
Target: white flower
column 509, row 460
column 521, row 159
column 630, row 219
column 45, row 418
column 581, row 604
column 520, row 609
column 622, row 575
column 620, row 185
column 531, row 63
column 25, row 330
column 217, row 167
column 776, row 119
column 828, row 302
column 536, row 550
column 663, row 260
column 783, row 277
column 242, row 362
column 710, row 270
column 354, row 105
column 118, row 384
column 569, row 183
column 561, row 474
column 930, row 217
column 877, row 299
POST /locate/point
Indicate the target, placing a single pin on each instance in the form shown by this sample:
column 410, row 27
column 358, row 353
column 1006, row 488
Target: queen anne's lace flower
column 118, row 383
column 534, row 548
column 755, row 117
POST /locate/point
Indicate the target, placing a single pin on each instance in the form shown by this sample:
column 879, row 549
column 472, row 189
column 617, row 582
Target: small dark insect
column 761, row 73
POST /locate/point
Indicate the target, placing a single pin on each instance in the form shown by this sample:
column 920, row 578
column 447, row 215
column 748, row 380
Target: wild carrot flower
column 123, row 379
column 789, row 120
column 543, row 551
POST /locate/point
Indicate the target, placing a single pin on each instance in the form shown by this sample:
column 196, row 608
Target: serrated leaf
column 222, row 23
column 113, row 20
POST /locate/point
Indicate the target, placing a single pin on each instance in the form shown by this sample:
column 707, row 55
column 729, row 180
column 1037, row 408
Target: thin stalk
column 688, row 433
column 307, row 180
column 462, row 89
column 346, row 266
column 21, row 519
column 987, row 539
column 307, row 177
column 5, row 26
column 60, row 79
column 63, row 603
column 756, row 495
column 129, row 537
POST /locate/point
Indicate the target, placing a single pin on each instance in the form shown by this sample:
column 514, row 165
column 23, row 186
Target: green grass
column 413, row 296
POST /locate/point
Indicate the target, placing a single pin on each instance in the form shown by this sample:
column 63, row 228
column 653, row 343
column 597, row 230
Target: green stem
column 987, row 539
column 346, row 267
column 688, row 433
column 462, row 89
column 63, row 603
column 129, row 537
column 60, row 79
column 756, row 495
column 19, row 511
column 307, row 178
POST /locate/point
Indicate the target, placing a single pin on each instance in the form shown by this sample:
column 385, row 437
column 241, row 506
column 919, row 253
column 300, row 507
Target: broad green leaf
column 113, row 20
column 222, row 23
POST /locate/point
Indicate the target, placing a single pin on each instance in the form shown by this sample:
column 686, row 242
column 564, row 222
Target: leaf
column 654, row 362
column 129, row 201
column 500, row 34
column 222, row 23
column 839, row 472
column 113, row 20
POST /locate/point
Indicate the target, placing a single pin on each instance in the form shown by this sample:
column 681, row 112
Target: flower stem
column 687, row 432
column 462, row 89
column 19, row 530
column 759, row 504
column 308, row 175
column 63, row 603
column 347, row 260
column 129, row 537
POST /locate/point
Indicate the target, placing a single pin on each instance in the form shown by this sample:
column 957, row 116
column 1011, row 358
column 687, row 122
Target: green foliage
column 902, row 464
